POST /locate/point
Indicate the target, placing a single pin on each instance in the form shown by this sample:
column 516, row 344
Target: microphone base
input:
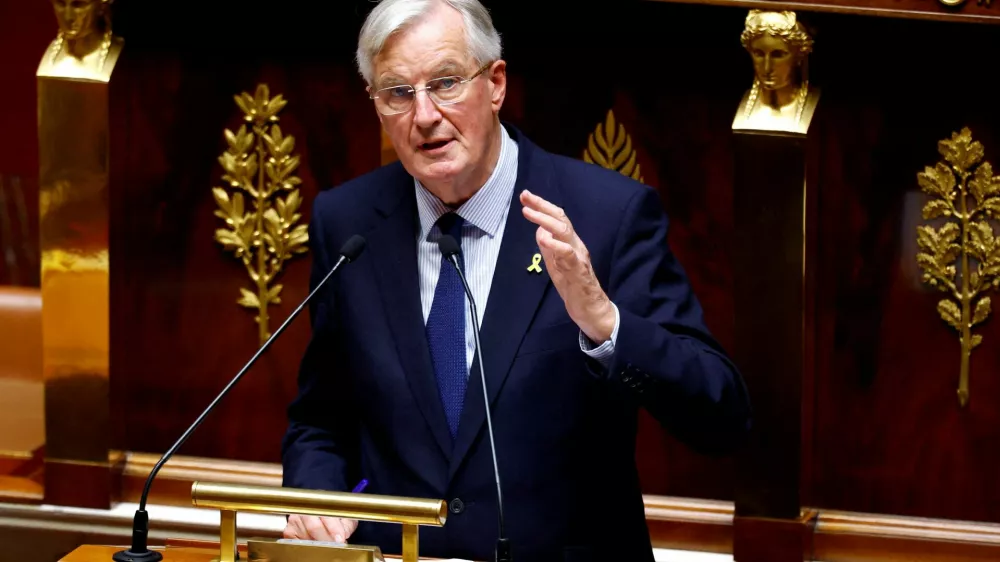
column 503, row 551
column 129, row 556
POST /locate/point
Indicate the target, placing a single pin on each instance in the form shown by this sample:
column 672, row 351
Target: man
column 585, row 317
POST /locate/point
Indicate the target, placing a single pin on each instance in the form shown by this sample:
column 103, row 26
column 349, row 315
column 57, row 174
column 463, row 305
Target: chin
column 438, row 170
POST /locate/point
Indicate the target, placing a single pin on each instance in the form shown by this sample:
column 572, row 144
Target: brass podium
column 230, row 499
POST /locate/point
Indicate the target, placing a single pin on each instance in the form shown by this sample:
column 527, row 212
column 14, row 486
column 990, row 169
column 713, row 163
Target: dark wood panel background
column 177, row 333
column 888, row 434
column 33, row 27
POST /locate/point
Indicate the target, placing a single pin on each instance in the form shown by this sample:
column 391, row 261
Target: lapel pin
column 535, row 261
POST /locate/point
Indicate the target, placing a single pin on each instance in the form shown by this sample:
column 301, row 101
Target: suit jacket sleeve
column 320, row 445
column 664, row 356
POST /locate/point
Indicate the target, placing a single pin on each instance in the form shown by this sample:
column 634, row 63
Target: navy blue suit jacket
column 368, row 404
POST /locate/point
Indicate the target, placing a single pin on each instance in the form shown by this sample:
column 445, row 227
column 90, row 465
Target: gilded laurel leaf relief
column 611, row 147
column 962, row 256
column 261, row 207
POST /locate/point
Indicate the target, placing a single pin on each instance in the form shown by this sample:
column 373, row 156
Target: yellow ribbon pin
column 535, row 260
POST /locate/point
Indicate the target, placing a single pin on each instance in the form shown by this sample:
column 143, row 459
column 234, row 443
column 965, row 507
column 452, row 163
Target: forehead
column 432, row 45
column 768, row 42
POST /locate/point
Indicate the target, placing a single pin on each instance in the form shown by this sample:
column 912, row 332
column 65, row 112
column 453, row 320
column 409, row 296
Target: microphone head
column 449, row 247
column 353, row 247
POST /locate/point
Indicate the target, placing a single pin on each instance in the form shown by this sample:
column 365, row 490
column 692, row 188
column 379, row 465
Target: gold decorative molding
column 954, row 3
column 267, row 235
column 780, row 98
column 611, row 148
column 85, row 47
column 962, row 257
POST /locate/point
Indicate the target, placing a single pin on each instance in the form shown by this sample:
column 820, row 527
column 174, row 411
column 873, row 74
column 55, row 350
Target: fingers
column 295, row 528
column 339, row 529
column 319, row 528
column 535, row 202
column 547, row 215
column 562, row 230
column 559, row 249
column 316, row 529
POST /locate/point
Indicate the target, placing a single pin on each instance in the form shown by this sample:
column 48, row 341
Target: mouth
column 435, row 145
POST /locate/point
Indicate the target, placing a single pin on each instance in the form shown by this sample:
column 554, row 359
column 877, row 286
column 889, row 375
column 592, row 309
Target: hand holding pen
column 332, row 529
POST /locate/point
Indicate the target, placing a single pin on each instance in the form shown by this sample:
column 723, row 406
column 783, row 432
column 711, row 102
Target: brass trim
column 367, row 507
column 15, row 455
column 102, row 464
column 856, row 9
column 273, row 551
column 139, row 465
column 411, row 542
column 227, row 536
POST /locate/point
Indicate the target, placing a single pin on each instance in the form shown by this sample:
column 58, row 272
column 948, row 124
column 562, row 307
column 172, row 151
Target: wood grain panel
column 853, row 537
column 890, row 436
column 177, row 334
column 967, row 12
column 623, row 61
column 18, row 489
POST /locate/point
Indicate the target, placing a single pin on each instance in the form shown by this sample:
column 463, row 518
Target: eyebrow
column 446, row 68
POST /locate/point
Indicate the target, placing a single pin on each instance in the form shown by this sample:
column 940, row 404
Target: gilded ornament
column 780, row 98
column 954, row 3
column 962, row 256
column 611, row 147
column 265, row 236
column 85, row 47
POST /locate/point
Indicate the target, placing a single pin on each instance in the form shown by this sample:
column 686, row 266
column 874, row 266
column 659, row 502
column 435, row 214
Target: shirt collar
column 487, row 207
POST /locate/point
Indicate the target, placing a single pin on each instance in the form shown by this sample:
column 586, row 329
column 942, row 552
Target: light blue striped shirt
column 485, row 215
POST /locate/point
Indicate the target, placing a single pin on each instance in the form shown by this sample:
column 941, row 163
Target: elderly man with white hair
column 586, row 317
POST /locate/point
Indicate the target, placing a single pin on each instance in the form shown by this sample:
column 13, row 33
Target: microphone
column 450, row 249
column 138, row 552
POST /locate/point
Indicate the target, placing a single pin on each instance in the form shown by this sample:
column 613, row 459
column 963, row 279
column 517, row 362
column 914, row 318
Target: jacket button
column 457, row 506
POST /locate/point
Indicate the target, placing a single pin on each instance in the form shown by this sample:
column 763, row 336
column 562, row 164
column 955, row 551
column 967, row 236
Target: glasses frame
column 413, row 90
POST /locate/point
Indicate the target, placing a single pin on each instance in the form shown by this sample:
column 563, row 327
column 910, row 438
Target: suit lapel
column 393, row 249
column 514, row 296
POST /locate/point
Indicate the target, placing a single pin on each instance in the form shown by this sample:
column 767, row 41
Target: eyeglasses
column 446, row 90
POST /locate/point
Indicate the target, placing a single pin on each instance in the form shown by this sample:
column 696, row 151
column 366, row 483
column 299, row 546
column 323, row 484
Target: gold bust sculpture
column 780, row 98
column 85, row 47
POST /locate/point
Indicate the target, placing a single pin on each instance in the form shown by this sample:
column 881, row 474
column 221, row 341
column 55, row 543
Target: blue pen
column 361, row 486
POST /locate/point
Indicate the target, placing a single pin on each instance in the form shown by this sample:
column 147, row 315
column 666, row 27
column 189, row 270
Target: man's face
column 441, row 145
column 76, row 17
column 773, row 62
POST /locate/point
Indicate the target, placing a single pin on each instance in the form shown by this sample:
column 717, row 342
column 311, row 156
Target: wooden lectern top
column 99, row 553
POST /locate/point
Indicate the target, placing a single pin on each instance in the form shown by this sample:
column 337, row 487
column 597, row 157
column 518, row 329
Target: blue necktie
column 446, row 330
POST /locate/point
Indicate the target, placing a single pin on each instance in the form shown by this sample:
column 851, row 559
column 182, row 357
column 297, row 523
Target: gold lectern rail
column 232, row 498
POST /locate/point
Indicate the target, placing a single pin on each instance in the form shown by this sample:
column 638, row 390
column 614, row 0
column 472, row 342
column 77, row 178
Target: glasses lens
column 394, row 100
column 446, row 90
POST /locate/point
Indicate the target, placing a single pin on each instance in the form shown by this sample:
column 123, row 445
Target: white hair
column 392, row 16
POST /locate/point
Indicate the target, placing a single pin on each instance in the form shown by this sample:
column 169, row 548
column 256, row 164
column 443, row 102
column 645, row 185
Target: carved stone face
column 77, row 18
column 773, row 62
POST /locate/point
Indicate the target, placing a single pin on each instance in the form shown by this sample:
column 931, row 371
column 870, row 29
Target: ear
column 497, row 75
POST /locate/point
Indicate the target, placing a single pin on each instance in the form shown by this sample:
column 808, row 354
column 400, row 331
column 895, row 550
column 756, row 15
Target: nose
column 768, row 64
column 425, row 112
